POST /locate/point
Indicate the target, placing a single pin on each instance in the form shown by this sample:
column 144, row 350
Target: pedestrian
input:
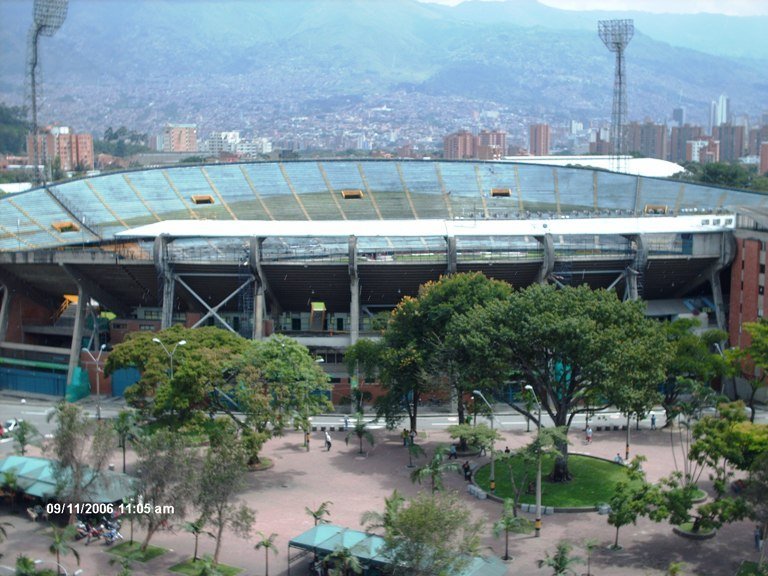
column 507, row 451
column 327, row 441
column 452, row 453
column 405, row 437
column 306, row 439
column 346, row 423
column 653, row 421
column 589, row 435
column 412, row 436
column 618, row 459
column 467, row 470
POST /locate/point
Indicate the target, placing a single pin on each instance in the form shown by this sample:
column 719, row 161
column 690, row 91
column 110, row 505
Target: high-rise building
column 599, row 142
column 179, row 138
column 731, row 140
column 763, row 158
column 72, row 150
column 459, row 145
column 678, row 116
column 757, row 136
column 704, row 150
column 719, row 112
column 649, row 139
column 539, row 139
column 491, row 145
column 680, row 136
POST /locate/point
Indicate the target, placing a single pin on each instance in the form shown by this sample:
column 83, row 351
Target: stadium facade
column 315, row 249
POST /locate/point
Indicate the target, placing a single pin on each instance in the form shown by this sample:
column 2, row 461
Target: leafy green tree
column 480, row 436
column 435, row 469
column 432, row 534
column 418, row 356
column 25, row 434
column 361, row 431
column 126, row 561
column 126, row 427
column 630, row 498
column 753, row 359
column 197, row 529
column 561, row 562
column 222, row 476
column 268, row 543
column 510, row 523
column 590, row 544
column 694, row 360
column 414, row 451
column 25, row 566
column 60, row 545
column 81, row 449
column 13, row 129
column 318, row 515
column 373, row 520
column 756, row 494
column 166, row 479
column 342, row 562
column 10, row 483
column 579, row 349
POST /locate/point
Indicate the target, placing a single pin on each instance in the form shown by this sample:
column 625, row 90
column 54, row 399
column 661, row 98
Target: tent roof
column 37, row 477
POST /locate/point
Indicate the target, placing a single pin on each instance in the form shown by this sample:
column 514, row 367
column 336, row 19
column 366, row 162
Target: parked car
column 9, row 426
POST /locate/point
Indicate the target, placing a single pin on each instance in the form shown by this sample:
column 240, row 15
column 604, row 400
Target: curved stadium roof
column 95, row 209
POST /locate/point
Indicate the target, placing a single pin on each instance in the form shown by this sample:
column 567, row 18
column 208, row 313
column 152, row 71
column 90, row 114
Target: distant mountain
column 145, row 62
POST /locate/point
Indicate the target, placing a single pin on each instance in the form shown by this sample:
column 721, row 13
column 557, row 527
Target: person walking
column 653, row 421
column 346, row 423
column 467, row 470
column 405, row 437
column 327, row 441
column 589, row 435
column 453, row 453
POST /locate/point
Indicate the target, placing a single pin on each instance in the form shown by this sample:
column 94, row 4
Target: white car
column 10, row 425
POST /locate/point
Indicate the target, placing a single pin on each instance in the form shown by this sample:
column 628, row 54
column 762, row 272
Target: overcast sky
column 732, row 7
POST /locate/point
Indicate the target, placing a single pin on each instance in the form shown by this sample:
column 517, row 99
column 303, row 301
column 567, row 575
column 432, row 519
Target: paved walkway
column 356, row 483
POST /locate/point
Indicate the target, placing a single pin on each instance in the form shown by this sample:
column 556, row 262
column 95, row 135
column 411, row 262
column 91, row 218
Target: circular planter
column 681, row 531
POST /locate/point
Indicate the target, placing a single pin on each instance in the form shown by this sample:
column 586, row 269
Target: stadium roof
column 650, row 167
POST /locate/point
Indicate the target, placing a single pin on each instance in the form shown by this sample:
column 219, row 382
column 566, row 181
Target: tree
column 25, row 434
column 579, row 349
column 126, row 428
column 361, row 431
column 756, row 494
column 13, row 129
column 343, row 561
column 434, row 469
column 60, row 545
column 629, row 499
column 589, row 545
column 126, row 561
column 222, row 477
column 510, row 523
column 373, row 520
column 480, row 437
column 10, row 483
column 197, row 528
column 432, row 534
column 268, row 543
column 318, row 515
column 25, row 566
column 81, row 449
column 561, row 561
column 166, row 471
column 418, row 357
column 753, row 359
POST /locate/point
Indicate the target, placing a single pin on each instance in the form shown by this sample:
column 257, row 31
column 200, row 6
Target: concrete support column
column 548, row 262
column 165, row 274
column 451, row 253
column 354, row 290
column 717, row 298
column 258, row 288
column 5, row 311
column 77, row 333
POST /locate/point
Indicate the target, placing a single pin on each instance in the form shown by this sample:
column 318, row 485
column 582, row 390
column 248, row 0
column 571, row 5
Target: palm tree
column 25, row 566
column 197, row 528
column 434, row 469
column 126, row 427
column 414, row 451
column 126, row 561
column 510, row 523
column 561, row 561
column 60, row 545
column 4, row 532
column 392, row 506
column 268, row 543
column 317, row 515
column 24, row 435
column 11, row 485
column 343, row 561
column 361, row 431
column 589, row 545
column 208, row 567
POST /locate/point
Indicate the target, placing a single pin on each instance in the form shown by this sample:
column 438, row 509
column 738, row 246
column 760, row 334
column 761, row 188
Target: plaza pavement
column 356, row 483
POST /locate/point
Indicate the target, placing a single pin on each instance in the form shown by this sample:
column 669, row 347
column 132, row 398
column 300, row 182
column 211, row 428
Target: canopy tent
column 38, row 477
column 324, row 539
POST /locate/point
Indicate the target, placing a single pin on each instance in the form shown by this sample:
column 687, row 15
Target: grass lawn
column 593, row 481
column 193, row 568
column 750, row 569
column 125, row 548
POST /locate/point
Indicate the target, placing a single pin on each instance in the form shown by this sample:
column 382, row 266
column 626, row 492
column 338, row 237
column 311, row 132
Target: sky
column 730, row 7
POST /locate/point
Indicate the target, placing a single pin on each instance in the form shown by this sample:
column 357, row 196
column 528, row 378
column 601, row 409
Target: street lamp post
column 77, row 572
column 493, row 438
column 170, row 353
column 537, row 525
column 96, row 361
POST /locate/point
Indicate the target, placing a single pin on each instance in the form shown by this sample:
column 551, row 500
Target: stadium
column 315, row 249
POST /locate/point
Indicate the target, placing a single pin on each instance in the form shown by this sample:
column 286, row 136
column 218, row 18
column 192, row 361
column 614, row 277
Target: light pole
column 172, row 352
column 75, row 573
column 537, row 525
column 98, row 380
column 493, row 438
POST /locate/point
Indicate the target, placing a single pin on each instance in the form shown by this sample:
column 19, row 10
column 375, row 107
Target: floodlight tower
column 616, row 34
column 49, row 15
